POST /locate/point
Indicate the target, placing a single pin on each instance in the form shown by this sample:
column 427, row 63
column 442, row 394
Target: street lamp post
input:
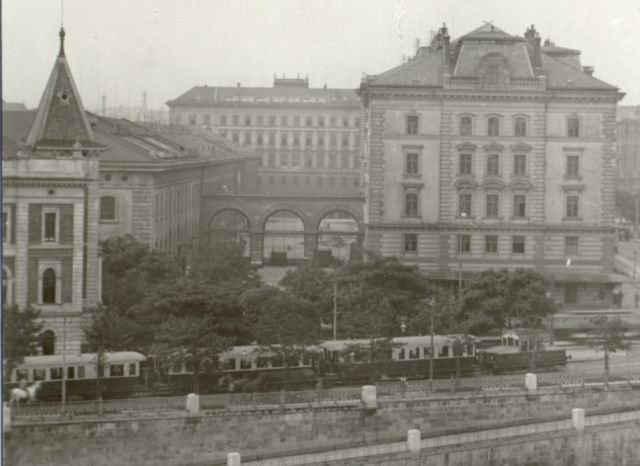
column 335, row 310
column 463, row 215
column 64, row 360
column 431, row 304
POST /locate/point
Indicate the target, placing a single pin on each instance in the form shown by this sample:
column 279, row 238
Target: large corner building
column 494, row 151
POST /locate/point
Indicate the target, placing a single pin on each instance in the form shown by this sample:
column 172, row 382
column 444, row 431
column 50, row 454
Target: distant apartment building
column 493, row 151
column 628, row 148
column 307, row 139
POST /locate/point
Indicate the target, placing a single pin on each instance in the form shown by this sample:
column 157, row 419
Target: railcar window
column 306, row 360
column 22, row 374
column 245, row 363
column 277, row 361
column 189, row 366
column 81, row 372
column 132, row 369
column 401, row 354
column 230, row 364
column 293, row 362
column 55, row 373
column 176, row 367
column 71, row 372
column 426, row 352
column 100, row 370
column 39, row 374
column 414, row 353
column 444, row 352
column 470, row 349
column 116, row 370
column 262, row 362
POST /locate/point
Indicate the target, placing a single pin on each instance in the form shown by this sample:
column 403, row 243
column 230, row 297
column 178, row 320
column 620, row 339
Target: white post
column 531, row 382
column 193, row 404
column 233, row 459
column 413, row 440
column 369, row 397
column 577, row 419
column 6, row 417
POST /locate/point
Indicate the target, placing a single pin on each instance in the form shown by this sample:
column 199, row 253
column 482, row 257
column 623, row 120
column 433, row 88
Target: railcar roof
column 85, row 358
column 418, row 340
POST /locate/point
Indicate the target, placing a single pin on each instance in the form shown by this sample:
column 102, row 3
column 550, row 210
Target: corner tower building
column 50, row 206
column 494, row 151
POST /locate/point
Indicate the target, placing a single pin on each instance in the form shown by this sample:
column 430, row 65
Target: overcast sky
column 121, row 48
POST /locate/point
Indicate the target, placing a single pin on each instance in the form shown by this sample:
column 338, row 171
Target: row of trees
column 152, row 307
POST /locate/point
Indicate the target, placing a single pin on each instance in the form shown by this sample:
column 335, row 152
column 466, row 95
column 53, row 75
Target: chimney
column 588, row 70
column 446, row 38
column 537, row 51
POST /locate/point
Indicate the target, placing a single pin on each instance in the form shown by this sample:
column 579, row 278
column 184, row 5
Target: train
column 256, row 368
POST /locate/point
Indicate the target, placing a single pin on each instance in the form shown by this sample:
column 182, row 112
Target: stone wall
column 209, row 437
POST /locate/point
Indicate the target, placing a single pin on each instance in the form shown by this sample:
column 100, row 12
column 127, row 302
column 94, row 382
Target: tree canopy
column 20, row 330
column 500, row 298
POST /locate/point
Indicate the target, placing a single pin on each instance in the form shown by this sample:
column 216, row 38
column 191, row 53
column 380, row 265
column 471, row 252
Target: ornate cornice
column 46, row 182
column 493, row 146
column 520, row 147
column 493, row 182
column 520, row 184
column 466, row 146
column 465, row 182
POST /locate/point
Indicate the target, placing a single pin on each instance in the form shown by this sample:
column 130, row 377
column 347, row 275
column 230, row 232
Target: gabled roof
column 60, row 119
column 488, row 31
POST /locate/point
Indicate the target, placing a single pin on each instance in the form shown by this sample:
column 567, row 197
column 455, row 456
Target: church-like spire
column 61, row 120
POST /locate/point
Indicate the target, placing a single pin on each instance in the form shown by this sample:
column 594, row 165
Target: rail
column 327, row 398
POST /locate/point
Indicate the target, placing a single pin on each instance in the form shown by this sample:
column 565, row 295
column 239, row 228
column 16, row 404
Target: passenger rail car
column 348, row 360
column 119, row 375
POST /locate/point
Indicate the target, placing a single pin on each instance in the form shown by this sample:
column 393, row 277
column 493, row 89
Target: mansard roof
column 466, row 57
column 60, row 120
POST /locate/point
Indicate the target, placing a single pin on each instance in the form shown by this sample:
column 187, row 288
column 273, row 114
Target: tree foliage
column 607, row 334
column 20, row 330
column 191, row 341
column 500, row 298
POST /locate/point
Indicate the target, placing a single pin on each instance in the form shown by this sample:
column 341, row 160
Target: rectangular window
column 192, row 119
column 320, row 141
column 464, row 243
column 284, row 140
column 493, row 206
column 223, row 120
column 294, row 180
column 283, row 180
column 284, row 120
column 5, row 226
column 332, row 161
column 344, row 161
column 466, row 126
column 573, row 127
column 296, row 120
column 206, row 119
column 333, row 139
column 573, row 166
column 296, row 140
column 50, row 227
column 465, row 164
column 411, row 164
column 295, row 160
column 309, row 121
column 519, row 205
column 345, row 140
column 518, row 245
column 259, row 139
column 247, row 138
column 411, row 204
column 571, row 245
column 247, row 120
column 571, row 293
column 493, row 126
column 81, row 372
column 308, row 141
column 39, row 374
column 116, row 370
column 491, row 244
column 520, row 164
column 236, row 120
column 284, row 159
column 410, row 242
column 272, row 120
column 321, row 121
column 520, row 129
column 464, row 204
column 493, row 164
column 235, row 137
column 412, row 124
column 272, row 160
column 272, row 139
column 345, row 122
column 55, row 373
column 71, row 372
column 333, row 121
column 573, row 206
column 320, row 160
column 260, row 120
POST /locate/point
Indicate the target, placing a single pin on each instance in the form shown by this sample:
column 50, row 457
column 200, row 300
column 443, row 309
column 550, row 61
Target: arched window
column 283, row 237
column 107, row 208
column 339, row 235
column 47, row 343
column 230, row 226
column 520, row 127
column 7, row 286
column 466, row 126
column 49, row 287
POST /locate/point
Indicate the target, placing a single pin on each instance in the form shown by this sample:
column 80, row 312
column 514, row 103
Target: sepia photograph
column 320, row 232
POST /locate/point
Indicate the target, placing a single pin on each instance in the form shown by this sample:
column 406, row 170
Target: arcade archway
column 283, row 238
column 230, row 225
column 339, row 235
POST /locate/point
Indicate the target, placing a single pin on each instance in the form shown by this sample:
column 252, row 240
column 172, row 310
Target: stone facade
column 493, row 151
column 50, row 186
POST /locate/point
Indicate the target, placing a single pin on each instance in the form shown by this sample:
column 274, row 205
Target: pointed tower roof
column 61, row 120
